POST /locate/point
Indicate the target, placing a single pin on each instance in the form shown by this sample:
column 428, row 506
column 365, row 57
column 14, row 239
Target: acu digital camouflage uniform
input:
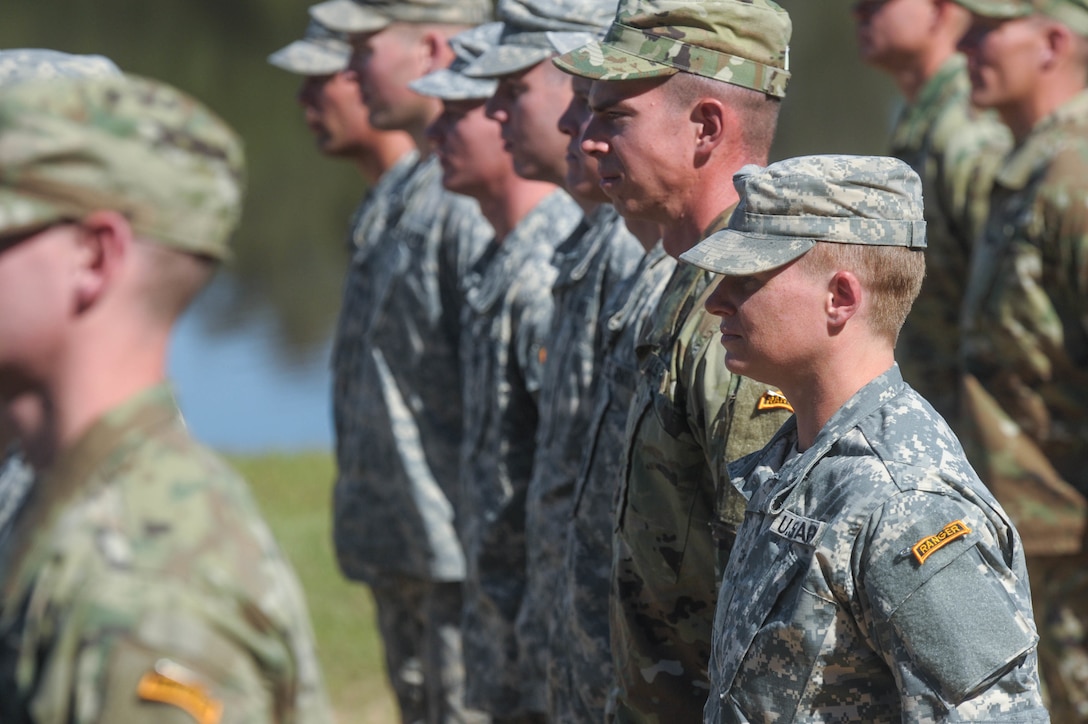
column 1025, row 349
column 138, row 582
column 15, row 479
column 580, row 672
column 956, row 150
column 676, row 514
column 844, row 596
column 506, row 321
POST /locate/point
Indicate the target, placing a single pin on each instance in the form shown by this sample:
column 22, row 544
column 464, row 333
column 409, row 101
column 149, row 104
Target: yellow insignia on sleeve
column 929, row 545
column 166, row 687
column 542, row 355
column 773, row 399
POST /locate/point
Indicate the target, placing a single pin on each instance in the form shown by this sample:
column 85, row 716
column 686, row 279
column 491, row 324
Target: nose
column 594, row 141
column 495, row 108
column 718, row 302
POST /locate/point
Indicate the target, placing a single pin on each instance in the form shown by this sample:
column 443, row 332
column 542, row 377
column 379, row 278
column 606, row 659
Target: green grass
column 295, row 493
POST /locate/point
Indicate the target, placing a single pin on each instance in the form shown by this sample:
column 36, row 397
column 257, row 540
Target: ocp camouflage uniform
column 1025, row 348
column 397, row 412
column 141, row 584
column 689, row 416
column 874, row 579
column 505, row 325
column 956, row 150
column 580, row 671
column 599, row 255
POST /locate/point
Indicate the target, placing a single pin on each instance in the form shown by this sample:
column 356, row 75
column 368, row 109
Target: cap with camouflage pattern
column 72, row 146
column 535, row 30
column 22, row 64
column 785, row 208
column 1071, row 13
column 370, row 16
column 451, row 84
column 742, row 42
column 320, row 52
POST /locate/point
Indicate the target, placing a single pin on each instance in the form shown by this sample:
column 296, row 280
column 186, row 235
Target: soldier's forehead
column 605, row 93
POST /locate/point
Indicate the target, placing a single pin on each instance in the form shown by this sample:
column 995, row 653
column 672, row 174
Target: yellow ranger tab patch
column 929, row 545
column 773, row 399
column 163, row 685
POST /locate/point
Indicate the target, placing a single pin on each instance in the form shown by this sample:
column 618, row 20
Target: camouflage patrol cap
column 535, row 30
column 451, row 84
column 1071, row 13
column 370, row 16
column 785, row 208
column 320, row 52
column 72, row 146
column 22, row 64
column 742, row 42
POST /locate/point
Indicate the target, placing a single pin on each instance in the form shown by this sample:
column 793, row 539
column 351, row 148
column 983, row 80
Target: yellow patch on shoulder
column 929, row 545
column 166, row 687
column 773, row 399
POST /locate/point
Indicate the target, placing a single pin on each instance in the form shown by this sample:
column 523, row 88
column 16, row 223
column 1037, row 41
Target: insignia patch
column 797, row 529
column 929, row 545
column 166, row 685
column 773, row 399
column 542, row 355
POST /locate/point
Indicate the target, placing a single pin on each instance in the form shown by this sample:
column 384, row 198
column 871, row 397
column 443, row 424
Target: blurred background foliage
column 290, row 251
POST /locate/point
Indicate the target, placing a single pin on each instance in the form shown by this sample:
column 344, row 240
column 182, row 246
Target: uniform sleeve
column 944, row 600
column 971, row 154
column 1063, row 201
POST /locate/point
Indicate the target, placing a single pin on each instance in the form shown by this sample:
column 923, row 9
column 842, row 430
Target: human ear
column 103, row 244
column 844, row 298
column 711, row 118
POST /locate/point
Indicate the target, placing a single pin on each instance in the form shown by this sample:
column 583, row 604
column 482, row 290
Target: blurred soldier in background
column 397, row 369
column 530, row 101
column 956, row 149
column 139, row 582
column 683, row 96
column 1025, row 319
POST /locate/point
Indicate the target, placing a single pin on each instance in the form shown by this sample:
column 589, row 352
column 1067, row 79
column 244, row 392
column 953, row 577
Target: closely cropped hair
column 173, row 278
column 892, row 275
column 758, row 110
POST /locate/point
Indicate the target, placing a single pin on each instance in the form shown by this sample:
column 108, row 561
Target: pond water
column 238, row 397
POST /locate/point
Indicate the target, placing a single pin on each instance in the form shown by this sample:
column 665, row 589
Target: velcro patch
column 797, row 529
column 165, row 687
column 929, row 545
column 773, row 399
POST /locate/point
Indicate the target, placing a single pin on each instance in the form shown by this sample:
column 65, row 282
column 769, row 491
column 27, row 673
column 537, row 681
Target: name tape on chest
column 795, row 528
column 929, row 545
column 774, row 400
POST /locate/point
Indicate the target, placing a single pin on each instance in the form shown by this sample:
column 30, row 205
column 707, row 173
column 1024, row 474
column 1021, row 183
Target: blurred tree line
column 290, row 249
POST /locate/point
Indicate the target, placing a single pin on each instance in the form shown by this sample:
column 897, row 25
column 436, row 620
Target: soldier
column 955, row 149
column 139, row 582
column 532, row 103
column 17, row 66
column 1025, row 328
column 397, row 369
column 865, row 525
column 683, row 95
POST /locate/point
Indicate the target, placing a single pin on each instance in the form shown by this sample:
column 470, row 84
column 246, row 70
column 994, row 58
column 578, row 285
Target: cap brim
column 347, row 16
column 505, row 60
column 1001, row 11
column 305, row 58
column 450, row 85
column 20, row 213
column 735, row 253
column 602, row 61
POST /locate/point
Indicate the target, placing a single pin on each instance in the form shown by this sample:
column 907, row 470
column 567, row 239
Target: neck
column 648, row 233
column 912, row 77
column 689, row 227
column 1048, row 97
column 505, row 205
column 376, row 161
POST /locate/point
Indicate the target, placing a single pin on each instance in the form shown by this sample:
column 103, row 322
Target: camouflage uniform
column 956, row 150
column 140, row 584
column 599, row 255
column 1025, row 349
column 580, row 672
column 825, row 613
column 15, row 479
column 397, row 410
column 676, row 514
column 506, row 320
column 843, row 599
